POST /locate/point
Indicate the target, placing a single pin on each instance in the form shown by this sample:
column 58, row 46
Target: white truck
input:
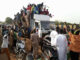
column 43, row 24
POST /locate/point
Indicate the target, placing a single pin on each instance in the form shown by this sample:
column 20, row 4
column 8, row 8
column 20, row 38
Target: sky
column 62, row 10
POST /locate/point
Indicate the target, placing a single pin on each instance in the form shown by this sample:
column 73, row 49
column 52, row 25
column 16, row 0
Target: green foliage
column 1, row 22
column 8, row 20
column 62, row 23
column 56, row 22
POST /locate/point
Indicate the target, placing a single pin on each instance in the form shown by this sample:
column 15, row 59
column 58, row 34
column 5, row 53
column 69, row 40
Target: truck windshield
column 47, row 25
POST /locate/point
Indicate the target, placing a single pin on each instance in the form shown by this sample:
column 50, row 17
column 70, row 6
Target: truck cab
column 43, row 24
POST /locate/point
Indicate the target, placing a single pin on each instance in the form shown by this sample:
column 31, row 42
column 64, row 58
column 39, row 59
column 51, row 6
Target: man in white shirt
column 53, row 34
column 60, row 41
column 62, row 46
column 5, row 41
column 5, row 45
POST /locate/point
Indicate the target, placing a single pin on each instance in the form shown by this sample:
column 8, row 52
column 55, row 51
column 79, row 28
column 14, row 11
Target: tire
column 29, row 57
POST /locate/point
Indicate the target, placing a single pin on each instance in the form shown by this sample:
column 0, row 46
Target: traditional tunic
column 53, row 34
column 62, row 45
column 5, row 46
column 5, row 42
column 60, row 41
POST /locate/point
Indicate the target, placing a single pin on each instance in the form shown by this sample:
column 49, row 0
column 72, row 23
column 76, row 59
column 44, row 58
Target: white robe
column 5, row 42
column 62, row 44
column 53, row 34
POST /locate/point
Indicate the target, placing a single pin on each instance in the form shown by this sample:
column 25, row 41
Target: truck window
column 47, row 25
column 36, row 25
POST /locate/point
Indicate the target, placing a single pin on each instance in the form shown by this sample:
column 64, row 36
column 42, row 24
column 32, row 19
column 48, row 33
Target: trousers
column 5, row 50
column 74, row 55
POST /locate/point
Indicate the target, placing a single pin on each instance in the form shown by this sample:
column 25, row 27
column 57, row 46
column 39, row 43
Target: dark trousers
column 14, row 43
column 74, row 55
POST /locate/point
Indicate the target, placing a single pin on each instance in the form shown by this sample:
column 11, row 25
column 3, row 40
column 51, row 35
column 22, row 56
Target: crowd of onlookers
column 62, row 38
column 73, row 40
column 66, row 38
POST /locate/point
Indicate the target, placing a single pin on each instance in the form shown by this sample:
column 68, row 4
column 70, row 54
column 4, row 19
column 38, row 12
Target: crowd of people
column 29, row 11
column 64, row 39
column 68, row 42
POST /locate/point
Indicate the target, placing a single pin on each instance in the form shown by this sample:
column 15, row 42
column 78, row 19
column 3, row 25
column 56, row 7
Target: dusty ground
column 12, row 57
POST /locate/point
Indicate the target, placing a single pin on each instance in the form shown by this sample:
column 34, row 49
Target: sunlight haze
column 62, row 10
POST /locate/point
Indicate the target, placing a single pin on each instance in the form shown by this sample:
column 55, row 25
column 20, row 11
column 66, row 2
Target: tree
column 8, row 20
column 62, row 23
column 56, row 22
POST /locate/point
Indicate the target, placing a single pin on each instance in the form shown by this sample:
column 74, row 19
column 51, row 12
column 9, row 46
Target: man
column 5, row 46
column 53, row 34
column 0, row 35
column 60, row 41
column 74, row 44
column 35, row 44
column 36, row 47
column 14, row 38
column 4, row 30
